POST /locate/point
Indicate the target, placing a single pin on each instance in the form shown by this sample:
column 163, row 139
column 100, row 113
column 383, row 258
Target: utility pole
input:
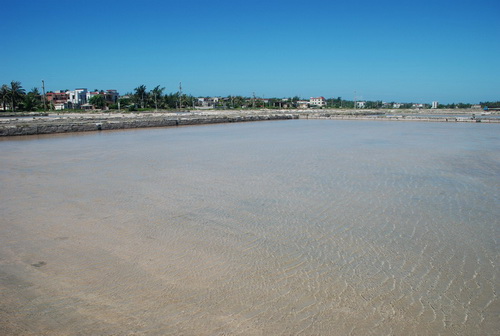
column 253, row 101
column 355, row 103
column 44, row 99
column 180, row 95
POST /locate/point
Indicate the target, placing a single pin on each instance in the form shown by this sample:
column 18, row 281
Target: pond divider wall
column 87, row 123
column 66, row 125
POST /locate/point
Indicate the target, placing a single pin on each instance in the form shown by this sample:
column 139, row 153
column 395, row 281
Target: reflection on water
column 294, row 227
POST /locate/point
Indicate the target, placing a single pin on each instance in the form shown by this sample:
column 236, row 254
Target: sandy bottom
column 273, row 228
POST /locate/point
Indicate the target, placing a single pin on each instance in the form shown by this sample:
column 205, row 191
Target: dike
column 35, row 126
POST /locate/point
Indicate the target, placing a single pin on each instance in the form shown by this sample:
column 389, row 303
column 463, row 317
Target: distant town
column 14, row 98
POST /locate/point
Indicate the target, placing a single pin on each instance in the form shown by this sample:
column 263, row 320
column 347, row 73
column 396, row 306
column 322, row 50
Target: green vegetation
column 4, row 96
column 32, row 100
column 14, row 98
column 98, row 101
column 141, row 95
column 16, row 94
column 142, row 99
column 454, row 105
column 491, row 104
column 156, row 93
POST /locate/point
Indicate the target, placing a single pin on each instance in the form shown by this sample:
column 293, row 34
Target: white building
column 317, row 101
column 360, row 104
column 60, row 106
column 91, row 94
column 110, row 96
column 435, row 104
column 208, row 102
column 77, row 97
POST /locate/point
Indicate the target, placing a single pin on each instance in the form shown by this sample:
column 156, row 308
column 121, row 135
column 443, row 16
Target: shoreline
column 36, row 124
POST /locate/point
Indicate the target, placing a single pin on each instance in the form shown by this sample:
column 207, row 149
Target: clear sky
column 390, row 50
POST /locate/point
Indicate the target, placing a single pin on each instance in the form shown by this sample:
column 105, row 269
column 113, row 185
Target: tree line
column 143, row 99
column 491, row 104
column 17, row 99
column 14, row 97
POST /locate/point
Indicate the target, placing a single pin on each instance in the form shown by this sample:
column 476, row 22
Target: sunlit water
column 271, row 228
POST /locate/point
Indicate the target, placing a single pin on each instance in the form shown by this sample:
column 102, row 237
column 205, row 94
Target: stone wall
column 66, row 125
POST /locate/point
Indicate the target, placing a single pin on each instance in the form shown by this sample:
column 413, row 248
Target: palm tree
column 16, row 93
column 4, row 95
column 238, row 101
column 35, row 92
column 32, row 100
column 141, row 94
column 156, row 93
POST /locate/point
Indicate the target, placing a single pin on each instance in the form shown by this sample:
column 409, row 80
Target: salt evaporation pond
column 303, row 227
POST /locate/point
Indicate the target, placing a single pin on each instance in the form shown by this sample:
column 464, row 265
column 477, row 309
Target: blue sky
column 407, row 51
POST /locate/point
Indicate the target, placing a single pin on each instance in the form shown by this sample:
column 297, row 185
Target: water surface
column 301, row 227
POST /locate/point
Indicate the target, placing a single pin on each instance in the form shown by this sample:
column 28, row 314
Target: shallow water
column 303, row 227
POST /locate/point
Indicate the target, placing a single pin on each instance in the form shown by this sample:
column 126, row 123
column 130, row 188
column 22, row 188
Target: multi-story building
column 78, row 97
column 435, row 104
column 317, row 101
column 91, row 94
column 59, row 99
column 205, row 102
column 111, row 96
